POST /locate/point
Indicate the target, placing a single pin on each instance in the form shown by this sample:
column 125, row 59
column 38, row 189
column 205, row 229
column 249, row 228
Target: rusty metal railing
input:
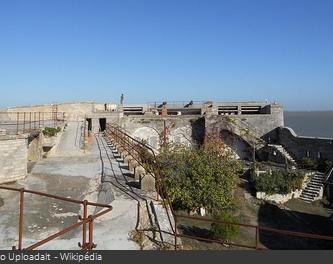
column 139, row 150
column 86, row 221
column 142, row 153
column 23, row 122
column 258, row 229
column 126, row 142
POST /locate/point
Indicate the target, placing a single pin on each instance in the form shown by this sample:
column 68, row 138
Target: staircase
column 313, row 188
column 249, row 132
column 284, row 153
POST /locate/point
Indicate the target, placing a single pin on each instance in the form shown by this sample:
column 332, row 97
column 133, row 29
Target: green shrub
column 309, row 164
column 203, row 177
column 278, row 182
column 51, row 131
column 324, row 165
column 224, row 231
column 320, row 165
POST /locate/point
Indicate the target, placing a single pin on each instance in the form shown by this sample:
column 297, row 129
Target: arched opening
column 149, row 135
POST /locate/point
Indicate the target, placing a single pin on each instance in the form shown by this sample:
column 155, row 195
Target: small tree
column 199, row 177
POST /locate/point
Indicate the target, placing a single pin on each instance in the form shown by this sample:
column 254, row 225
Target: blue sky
column 71, row 50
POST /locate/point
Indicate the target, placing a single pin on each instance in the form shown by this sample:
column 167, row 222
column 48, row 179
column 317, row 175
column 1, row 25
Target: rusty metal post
column 91, row 229
column 91, row 244
column 21, row 219
column 30, row 121
column 17, row 122
column 84, row 227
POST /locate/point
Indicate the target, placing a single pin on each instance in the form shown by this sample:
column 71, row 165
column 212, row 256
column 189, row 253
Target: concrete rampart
column 13, row 159
column 73, row 111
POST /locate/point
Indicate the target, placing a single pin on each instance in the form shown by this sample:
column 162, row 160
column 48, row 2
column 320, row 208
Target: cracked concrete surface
column 74, row 174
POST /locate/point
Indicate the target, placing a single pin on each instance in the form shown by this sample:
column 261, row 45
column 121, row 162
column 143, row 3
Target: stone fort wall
column 13, row 159
column 300, row 147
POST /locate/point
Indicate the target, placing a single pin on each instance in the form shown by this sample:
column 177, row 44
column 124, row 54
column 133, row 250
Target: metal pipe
column 21, row 219
column 55, row 197
column 17, row 122
column 84, row 227
column 91, row 244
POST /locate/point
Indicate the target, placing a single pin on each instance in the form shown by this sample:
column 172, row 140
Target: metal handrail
column 29, row 121
column 328, row 174
column 134, row 145
column 83, row 220
column 154, row 172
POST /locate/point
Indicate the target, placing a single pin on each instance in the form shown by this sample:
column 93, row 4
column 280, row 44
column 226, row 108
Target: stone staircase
column 314, row 188
column 249, row 132
column 284, row 153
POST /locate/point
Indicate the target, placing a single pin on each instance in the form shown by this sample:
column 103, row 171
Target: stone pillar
column 148, row 183
column 139, row 172
column 132, row 164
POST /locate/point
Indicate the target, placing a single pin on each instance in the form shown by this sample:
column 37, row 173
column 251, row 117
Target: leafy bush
column 51, row 131
column 278, row 182
column 320, row 165
column 309, row 164
column 224, row 231
column 199, row 177
column 324, row 165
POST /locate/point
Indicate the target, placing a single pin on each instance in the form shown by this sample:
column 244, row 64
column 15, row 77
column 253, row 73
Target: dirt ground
column 295, row 215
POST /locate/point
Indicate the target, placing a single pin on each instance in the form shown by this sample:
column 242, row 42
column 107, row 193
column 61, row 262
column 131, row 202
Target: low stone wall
column 283, row 198
column 35, row 147
column 278, row 198
column 13, row 159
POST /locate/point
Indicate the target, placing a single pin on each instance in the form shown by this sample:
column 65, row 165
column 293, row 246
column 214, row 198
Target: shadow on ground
column 270, row 215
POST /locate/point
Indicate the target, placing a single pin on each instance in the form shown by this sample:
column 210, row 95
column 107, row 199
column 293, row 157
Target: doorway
column 102, row 124
column 89, row 124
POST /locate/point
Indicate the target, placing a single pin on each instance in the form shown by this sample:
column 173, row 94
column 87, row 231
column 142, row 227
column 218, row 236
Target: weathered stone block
column 148, row 183
column 132, row 164
column 139, row 172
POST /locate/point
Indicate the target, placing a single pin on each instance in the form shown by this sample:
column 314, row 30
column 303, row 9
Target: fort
column 79, row 156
